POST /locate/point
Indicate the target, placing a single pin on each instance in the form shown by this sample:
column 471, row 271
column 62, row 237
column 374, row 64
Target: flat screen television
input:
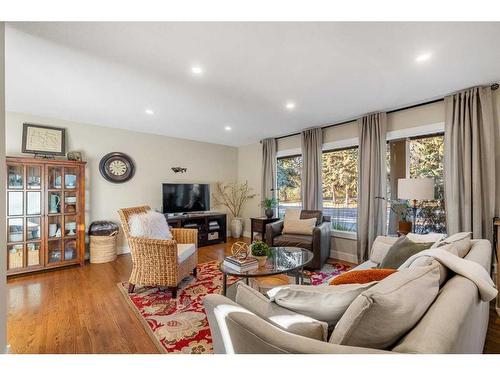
column 186, row 198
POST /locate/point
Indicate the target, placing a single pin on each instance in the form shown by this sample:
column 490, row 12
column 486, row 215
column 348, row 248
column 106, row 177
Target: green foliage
column 259, row 249
column 269, row 203
column 340, row 177
column 289, row 179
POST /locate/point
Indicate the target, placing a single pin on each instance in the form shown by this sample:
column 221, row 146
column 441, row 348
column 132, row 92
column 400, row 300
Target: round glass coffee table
column 282, row 260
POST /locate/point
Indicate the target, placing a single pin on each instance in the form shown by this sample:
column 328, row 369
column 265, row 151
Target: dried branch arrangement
column 233, row 196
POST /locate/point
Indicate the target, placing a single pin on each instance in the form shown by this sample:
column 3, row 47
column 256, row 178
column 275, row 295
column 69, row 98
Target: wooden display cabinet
column 45, row 214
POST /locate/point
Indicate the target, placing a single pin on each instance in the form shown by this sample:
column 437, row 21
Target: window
column 418, row 157
column 340, row 188
column 288, row 182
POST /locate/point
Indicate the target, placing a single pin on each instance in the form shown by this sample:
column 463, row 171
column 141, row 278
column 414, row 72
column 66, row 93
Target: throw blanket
column 466, row 268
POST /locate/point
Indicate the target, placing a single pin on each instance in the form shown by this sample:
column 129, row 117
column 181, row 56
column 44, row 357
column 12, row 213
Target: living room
column 250, row 188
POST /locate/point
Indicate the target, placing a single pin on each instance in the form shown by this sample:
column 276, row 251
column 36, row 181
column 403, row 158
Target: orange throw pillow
column 362, row 276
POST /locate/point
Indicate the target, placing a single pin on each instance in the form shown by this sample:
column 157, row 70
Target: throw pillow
column 380, row 316
column 380, row 247
column 299, row 226
column 402, row 249
column 326, row 303
column 289, row 321
column 429, row 237
column 362, row 276
column 150, row 224
column 462, row 242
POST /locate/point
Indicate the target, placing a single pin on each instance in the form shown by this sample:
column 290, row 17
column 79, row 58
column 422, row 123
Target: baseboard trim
column 346, row 257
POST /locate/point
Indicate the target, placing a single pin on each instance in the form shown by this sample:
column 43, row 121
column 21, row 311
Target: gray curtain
column 312, row 186
column 268, row 168
column 372, row 181
column 469, row 162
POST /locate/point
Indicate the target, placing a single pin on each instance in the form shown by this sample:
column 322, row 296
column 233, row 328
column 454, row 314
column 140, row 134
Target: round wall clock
column 117, row 167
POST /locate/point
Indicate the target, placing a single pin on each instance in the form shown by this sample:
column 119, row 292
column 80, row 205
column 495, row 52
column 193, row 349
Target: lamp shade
column 416, row 188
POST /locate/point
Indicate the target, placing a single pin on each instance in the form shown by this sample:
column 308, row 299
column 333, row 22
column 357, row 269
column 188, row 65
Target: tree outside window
column 289, row 170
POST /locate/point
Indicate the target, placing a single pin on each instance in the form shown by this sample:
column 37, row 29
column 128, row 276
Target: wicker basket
column 16, row 259
column 102, row 248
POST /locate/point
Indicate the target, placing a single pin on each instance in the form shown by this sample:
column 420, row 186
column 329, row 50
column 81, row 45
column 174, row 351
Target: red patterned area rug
column 180, row 326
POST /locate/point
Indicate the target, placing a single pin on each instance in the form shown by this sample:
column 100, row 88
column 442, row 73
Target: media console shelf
column 211, row 226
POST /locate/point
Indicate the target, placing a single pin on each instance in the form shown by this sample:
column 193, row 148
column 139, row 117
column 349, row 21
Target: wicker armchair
column 155, row 262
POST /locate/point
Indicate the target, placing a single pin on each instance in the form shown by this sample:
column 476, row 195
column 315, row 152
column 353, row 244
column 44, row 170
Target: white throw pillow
column 380, row 247
column 426, row 238
column 380, row 316
column 325, row 303
column 150, row 224
column 299, row 226
column 292, row 213
column 462, row 242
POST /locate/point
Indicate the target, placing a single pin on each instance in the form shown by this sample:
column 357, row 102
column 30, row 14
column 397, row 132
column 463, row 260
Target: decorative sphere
column 240, row 250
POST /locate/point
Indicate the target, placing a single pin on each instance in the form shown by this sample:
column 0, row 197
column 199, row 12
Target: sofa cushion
column 184, row 251
column 326, row 303
column 285, row 319
column 427, row 261
column 294, row 240
column 380, row 316
column 380, row 247
column 309, row 214
column 462, row 242
column 150, row 224
column 401, row 250
column 429, row 237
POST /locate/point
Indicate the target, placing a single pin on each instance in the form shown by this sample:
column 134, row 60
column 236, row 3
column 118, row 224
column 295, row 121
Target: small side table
column 258, row 224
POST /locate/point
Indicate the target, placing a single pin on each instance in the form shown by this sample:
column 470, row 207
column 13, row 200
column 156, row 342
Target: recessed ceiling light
column 290, row 105
column 423, row 57
column 197, row 70
column 227, row 128
column 149, row 111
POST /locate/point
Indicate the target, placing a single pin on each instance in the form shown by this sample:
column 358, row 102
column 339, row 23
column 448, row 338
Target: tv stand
column 212, row 228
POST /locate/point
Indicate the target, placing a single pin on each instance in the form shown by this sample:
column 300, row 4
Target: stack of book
column 213, row 225
column 239, row 265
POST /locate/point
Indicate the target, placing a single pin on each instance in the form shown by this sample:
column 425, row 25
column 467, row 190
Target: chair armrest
column 273, row 230
column 185, row 235
column 237, row 330
column 151, row 250
column 323, row 230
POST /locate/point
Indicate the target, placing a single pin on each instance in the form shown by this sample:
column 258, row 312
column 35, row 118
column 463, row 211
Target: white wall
column 153, row 155
column 3, row 245
column 341, row 247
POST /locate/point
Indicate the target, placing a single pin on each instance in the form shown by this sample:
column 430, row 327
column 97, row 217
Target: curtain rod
column 494, row 86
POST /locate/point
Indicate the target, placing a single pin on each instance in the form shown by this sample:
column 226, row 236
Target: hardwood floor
column 80, row 310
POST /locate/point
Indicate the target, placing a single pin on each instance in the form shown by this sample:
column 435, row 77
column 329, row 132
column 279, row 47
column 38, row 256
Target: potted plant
column 269, row 204
column 233, row 196
column 401, row 210
column 260, row 251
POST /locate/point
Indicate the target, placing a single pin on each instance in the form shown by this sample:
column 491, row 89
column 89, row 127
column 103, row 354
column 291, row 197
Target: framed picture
column 44, row 140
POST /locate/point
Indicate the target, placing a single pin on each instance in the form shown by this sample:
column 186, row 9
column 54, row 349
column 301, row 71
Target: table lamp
column 415, row 189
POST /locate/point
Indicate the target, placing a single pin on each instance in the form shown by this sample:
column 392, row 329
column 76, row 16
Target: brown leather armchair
column 318, row 242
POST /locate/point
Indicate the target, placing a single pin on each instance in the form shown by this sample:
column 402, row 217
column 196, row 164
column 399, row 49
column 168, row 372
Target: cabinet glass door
column 54, row 251
column 54, row 177
column 15, row 203
column 33, row 228
column 70, row 252
column 33, row 250
column 15, row 177
column 15, row 230
column 15, row 255
column 70, row 178
column 34, row 203
column 33, row 177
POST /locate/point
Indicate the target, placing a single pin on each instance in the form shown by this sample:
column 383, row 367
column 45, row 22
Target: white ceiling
column 109, row 73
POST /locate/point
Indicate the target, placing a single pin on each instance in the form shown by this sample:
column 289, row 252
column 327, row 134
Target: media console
column 211, row 226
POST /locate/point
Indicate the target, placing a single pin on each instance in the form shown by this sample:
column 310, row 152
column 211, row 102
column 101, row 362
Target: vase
column 262, row 260
column 236, row 227
column 269, row 212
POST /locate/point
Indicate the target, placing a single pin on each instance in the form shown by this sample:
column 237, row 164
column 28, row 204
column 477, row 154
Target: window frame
column 287, row 156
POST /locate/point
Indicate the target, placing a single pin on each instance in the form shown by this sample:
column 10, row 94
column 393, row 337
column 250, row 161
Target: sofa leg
column 195, row 272
column 173, row 290
column 131, row 288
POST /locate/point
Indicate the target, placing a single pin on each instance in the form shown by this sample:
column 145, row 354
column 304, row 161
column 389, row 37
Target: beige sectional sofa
column 456, row 322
